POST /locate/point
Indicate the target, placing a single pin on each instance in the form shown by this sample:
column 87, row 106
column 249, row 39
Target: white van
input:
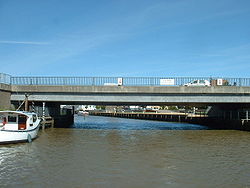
column 198, row 83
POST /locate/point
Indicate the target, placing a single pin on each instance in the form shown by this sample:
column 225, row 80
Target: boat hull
column 9, row 136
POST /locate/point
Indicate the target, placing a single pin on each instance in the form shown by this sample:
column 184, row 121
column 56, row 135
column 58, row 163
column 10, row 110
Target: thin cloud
column 23, row 42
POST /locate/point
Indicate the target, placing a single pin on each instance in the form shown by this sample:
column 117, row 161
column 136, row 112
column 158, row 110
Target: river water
column 124, row 153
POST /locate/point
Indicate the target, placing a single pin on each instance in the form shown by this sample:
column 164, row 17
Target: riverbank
column 212, row 122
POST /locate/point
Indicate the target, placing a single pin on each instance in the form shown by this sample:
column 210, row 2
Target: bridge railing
column 127, row 81
column 5, row 78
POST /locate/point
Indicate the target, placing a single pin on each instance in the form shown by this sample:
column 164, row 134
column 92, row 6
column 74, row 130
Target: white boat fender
column 29, row 138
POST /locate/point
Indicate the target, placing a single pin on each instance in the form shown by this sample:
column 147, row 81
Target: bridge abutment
column 5, row 93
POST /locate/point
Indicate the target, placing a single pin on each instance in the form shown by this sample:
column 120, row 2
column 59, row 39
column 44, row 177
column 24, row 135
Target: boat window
column 34, row 118
column 22, row 119
column 12, row 119
column 202, row 81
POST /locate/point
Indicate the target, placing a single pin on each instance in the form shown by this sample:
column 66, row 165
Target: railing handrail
column 5, row 78
column 105, row 80
column 127, row 81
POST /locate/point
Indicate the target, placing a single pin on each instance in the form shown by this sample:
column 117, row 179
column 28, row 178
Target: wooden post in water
column 43, row 125
column 26, row 105
column 247, row 115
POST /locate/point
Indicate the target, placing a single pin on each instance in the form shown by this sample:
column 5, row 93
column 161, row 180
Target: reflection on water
column 97, row 122
column 113, row 152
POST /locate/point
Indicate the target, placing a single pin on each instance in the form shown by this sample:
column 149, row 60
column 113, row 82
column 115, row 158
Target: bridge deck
column 133, row 94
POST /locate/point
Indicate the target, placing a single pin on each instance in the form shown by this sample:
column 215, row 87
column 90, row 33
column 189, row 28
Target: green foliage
column 100, row 107
column 172, row 108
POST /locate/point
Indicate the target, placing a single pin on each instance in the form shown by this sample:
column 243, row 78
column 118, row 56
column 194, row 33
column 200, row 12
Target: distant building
column 153, row 107
column 113, row 109
column 86, row 107
column 135, row 108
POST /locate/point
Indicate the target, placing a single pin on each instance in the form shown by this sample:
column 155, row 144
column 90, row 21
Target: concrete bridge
column 124, row 91
column 228, row 101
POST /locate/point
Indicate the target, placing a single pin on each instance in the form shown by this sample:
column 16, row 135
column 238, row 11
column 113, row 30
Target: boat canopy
column 18, row 112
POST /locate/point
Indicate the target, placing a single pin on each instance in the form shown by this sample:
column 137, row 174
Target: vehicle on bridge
column 198, row 83
column 18, row 126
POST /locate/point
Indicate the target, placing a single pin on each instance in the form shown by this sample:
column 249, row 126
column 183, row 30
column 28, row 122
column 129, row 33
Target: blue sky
column 125, row 38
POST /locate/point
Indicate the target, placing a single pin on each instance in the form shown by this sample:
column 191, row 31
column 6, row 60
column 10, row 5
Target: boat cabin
column 17, row 120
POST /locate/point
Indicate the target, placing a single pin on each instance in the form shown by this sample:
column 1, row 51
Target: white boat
column 18, row 126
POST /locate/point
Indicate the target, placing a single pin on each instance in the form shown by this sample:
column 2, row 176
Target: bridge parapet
column 5, row 92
